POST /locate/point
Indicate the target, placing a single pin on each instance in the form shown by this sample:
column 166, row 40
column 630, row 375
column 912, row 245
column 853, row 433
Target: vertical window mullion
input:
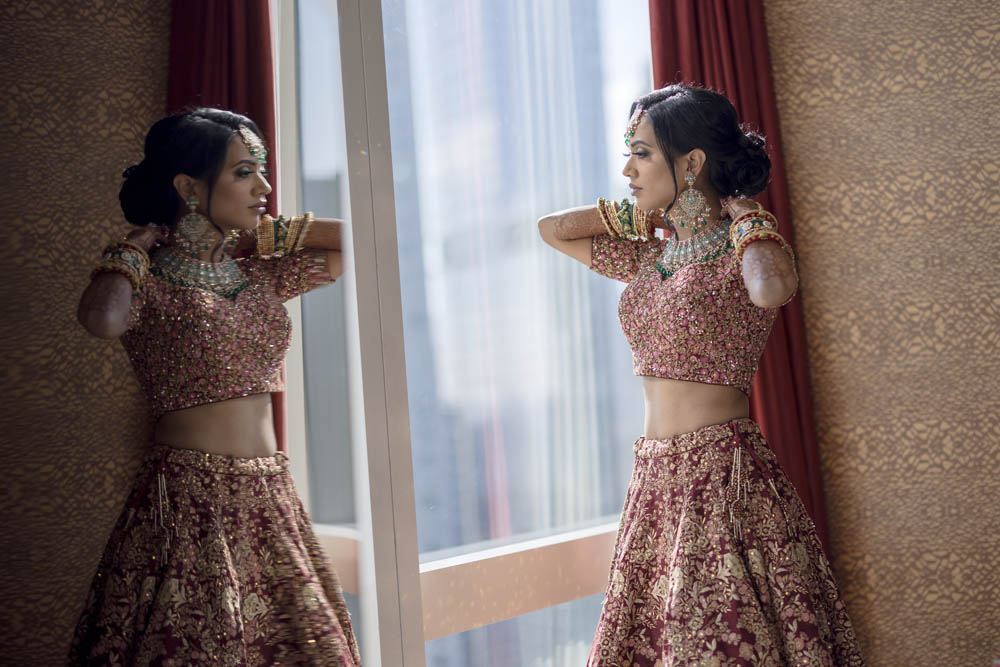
column 286, row 104
column 379, row 371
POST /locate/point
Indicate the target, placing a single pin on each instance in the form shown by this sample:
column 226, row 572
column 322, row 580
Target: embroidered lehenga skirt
column 717, row 563
column 214, row 561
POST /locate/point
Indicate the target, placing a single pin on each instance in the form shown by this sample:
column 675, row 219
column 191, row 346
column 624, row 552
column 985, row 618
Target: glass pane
column 324, row 190
column 523, row 407
column 559, row 636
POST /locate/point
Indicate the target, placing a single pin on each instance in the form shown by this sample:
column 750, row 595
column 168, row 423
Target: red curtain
column 722, row 44
column 221, row 56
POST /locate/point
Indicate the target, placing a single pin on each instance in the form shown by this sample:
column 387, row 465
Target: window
column 520, row 404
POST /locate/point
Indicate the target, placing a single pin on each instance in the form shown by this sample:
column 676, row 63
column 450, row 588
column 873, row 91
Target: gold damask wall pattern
column 889, row 124
column 82, row 82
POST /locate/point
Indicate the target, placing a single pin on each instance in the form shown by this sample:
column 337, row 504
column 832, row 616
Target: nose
column 264, row 187
column 627, row 169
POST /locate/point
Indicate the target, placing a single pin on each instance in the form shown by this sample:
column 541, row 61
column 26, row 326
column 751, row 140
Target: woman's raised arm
column 767, row 266
column 325, row 234
column 105, row 303
column 570, row 231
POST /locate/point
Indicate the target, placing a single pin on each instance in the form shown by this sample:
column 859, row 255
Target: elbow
column 101, row 325
column 773, row 293
column 546, row 229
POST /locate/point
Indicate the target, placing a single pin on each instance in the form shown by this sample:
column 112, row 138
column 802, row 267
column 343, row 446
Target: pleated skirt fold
column 214, row 561
column 717, row 563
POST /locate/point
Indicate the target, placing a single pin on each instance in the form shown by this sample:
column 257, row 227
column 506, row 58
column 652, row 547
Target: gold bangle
column 298, row 226
column 611, row 209
column 307, row 221
column 759, row 215
column 294, row 227
column 265, row 236
column 625, row 220
column 127, row 248
column 281, row 235
column 746, row 223
column 762, row 235
column 602, row 210
column 125, row 258
column 759, row 211
column 125, row 243
column 122, row 268
column 736, row 232
column 639, row 223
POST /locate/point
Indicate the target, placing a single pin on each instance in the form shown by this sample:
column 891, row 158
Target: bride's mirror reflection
column 214, row 553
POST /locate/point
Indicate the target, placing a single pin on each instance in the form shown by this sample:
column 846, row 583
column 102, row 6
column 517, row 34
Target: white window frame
column 404, row 603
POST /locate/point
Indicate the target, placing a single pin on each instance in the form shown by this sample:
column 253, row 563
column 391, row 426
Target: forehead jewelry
column 633, row 123
column 253, row 143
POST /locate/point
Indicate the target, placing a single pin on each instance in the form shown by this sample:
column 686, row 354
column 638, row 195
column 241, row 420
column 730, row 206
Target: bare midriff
column 677, row 406
column 241, row 427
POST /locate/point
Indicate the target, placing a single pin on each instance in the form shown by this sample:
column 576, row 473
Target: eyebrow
column 252, row 163
column 638, row 141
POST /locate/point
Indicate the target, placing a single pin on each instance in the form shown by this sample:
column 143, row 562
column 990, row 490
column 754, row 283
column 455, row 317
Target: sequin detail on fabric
column 697, row 325
column 190, row 346
column 686, row 589
column 213, row 561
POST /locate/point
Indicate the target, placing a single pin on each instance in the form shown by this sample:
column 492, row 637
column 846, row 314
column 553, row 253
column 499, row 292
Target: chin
column 654, row 205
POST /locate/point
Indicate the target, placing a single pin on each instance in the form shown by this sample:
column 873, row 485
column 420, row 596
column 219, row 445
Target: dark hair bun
column 750, row 167
column 147, row 198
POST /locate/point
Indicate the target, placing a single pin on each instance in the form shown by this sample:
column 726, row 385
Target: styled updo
column 190, row 142
column 688, row 117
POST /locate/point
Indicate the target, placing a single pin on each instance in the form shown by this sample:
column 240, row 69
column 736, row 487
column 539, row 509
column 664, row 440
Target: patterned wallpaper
column 893, row 169
column 82, row 83
column 889, row 123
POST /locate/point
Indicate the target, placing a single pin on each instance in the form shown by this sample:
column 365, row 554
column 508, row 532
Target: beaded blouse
column 697, row 325
column 191, row 346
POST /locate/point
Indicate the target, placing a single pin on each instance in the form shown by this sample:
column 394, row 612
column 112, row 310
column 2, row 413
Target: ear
column 185, row 186
column 695, row 160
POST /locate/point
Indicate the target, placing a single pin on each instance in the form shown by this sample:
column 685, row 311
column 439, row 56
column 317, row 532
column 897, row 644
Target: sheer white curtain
column 506, row 113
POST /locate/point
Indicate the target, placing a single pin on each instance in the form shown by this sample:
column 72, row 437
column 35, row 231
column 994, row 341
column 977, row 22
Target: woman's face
column 240, row 192
column 648, row 172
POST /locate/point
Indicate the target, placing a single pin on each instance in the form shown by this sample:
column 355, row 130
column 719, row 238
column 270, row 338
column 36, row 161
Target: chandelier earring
column 182, row 265
column 691, row 211
column 195, row 232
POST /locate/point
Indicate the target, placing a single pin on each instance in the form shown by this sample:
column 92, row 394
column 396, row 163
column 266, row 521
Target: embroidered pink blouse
column 697, row 325
column 191, row 346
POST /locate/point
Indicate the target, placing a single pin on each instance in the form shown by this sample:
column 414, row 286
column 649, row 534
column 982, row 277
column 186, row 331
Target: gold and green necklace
column 224, row 278
column 704, row 246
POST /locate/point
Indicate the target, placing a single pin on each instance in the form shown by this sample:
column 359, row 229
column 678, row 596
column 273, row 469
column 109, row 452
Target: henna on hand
column 737, row 207
column 578, row 224
column 108, row 293
column 762, row 265
column 146, row 237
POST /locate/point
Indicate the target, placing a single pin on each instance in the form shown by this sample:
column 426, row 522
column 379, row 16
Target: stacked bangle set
column 278, row 236
column 753, row 226
column 126, row 259
column 625, row 220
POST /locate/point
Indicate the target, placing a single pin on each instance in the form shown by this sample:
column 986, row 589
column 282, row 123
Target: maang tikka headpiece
column 253, row 143
column 633, row 123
